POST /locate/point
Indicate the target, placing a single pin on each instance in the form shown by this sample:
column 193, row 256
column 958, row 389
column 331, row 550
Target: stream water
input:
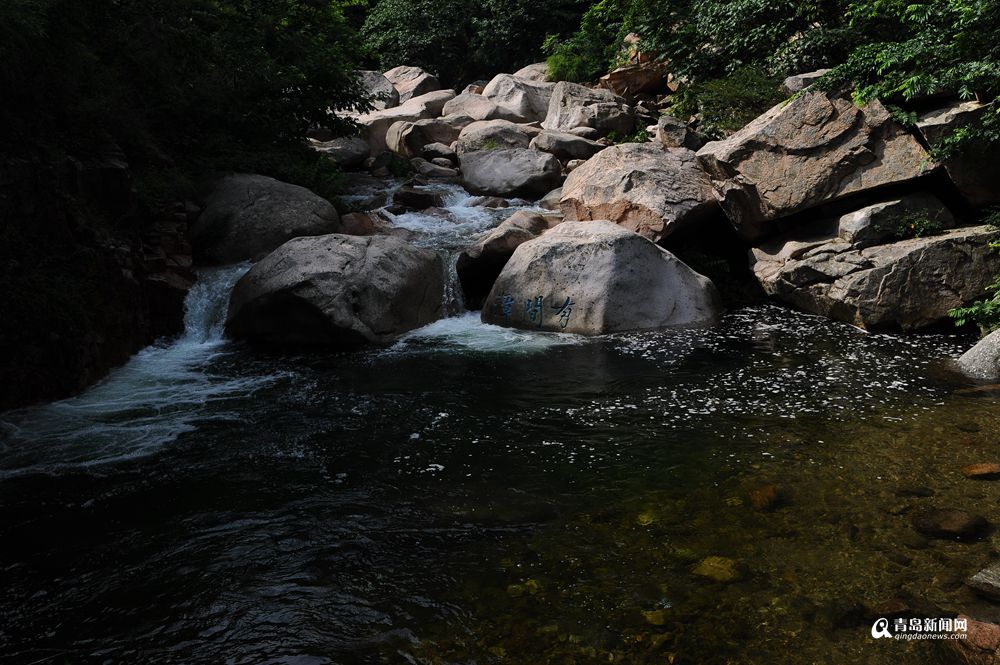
column 474, row 494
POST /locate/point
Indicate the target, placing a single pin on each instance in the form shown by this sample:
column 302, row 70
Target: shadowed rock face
column 592, row 278
column 813, row 150
column 338, row 291
column 479, row 265
column 247, row 216
column 976, row 174
column 906, row 285
column 384, row 95
column 641, row 186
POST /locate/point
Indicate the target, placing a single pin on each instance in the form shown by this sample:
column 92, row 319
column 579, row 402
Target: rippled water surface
column 474, row 494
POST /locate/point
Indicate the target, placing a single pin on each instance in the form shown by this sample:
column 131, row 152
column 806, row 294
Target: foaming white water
column 468, row 333
column 157, row 396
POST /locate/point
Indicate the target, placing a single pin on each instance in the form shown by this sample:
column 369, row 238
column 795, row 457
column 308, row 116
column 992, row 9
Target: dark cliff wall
column 87, row 275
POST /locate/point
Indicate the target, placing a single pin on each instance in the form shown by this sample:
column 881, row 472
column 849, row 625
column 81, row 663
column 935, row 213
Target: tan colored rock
column 644, row 78
column 523, row 99
column 411, row 82
column 594, row 278
column 981, row 645
column 982, row 471
column 816, row 149
column 643, row 187
column 376, row 125
column 906, row 285
column 408, row 139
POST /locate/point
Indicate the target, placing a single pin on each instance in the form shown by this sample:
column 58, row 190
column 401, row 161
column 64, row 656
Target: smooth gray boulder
column 814, row 150
column 495, row 134
column 408, row 139
column 976, row 172
column 348, row 152
column 478, row 107
column 983, row 360
column 906, row 285
column 593, row 278
column 644, row 187
column 338, row 291
column 574, row 106
column 245, row 216
column 411, row 82
column 384, row 95
column 525, row 100
column 510, row 172
column 566, row 146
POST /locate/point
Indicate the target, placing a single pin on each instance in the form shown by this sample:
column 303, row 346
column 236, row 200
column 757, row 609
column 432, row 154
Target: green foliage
column 638, row 136
column 727, row 104
column 596, row 47
column 462, row 40
column 711, row 39
column 177, row 85
column 916, row 225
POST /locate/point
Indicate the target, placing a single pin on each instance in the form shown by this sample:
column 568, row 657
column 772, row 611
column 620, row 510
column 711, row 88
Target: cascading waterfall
column 149, row 402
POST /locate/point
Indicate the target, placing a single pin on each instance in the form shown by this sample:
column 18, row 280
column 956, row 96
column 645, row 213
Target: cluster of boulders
column 842, row 211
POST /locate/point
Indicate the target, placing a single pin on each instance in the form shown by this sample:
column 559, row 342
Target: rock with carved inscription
column 593, row 278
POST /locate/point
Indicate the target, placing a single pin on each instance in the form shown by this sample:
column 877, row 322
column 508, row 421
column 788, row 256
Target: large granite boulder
column 348, row 152
column 408, row 139
column 479, row 266
column 339, row 291
column 816, row 149
column 478, row 107
column 566, row 146
column 906, row 285
column 377, row 124
column 632, row 80
column 510, row 172
column 246, row 216
column 383, row 94
column 411, row 82
column 643, row 187
column 537, row 72
column 494, row 134
column 593, row 278
column 574, row 105
column 976, row 172
column 983, row 360
column 523, row 99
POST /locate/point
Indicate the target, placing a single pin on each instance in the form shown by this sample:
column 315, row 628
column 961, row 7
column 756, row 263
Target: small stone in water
column 950, row 524
column 645, row 519
column 655, row 617
column 983, row 471
column 765, row 498
column 719, row 569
